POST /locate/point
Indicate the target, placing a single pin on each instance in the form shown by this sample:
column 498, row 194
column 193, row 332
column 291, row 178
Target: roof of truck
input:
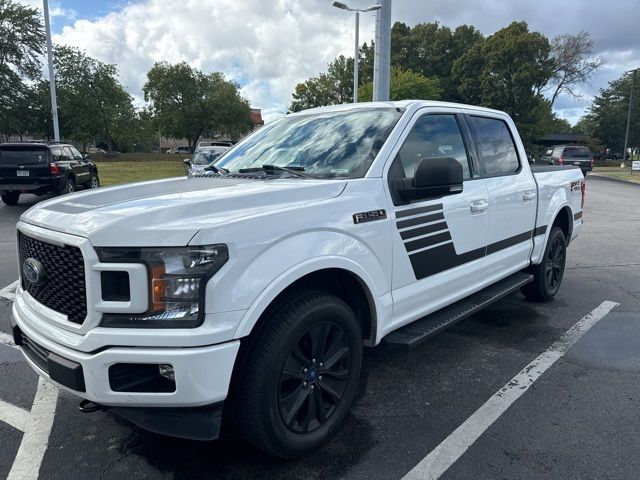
column 403, row 104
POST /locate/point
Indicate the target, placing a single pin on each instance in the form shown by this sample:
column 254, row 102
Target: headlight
column 177, row 279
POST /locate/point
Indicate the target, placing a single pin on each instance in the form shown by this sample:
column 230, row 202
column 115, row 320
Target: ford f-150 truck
column 249, row 290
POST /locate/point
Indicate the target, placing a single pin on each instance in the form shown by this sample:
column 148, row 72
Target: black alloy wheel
column 314, row 377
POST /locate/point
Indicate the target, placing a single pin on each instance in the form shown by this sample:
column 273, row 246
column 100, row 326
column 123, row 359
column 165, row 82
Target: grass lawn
column 117, row 172
column 619, row 173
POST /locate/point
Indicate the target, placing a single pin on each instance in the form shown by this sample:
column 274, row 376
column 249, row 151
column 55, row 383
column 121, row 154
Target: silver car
column 203, row 157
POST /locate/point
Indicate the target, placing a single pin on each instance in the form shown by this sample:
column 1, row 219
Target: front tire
column 70, row 186
column 547, row 276
column 94, row 182
column 11, row 198
column 298, row 374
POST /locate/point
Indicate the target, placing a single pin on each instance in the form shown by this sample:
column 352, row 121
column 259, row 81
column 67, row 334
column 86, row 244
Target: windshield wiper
column 297, row 171
column 214, row 169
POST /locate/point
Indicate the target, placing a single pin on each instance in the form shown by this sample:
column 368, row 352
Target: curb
column 611, row 179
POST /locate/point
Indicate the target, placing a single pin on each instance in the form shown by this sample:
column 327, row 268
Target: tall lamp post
column 52, row 78
column 356, row 57
column 626, row 136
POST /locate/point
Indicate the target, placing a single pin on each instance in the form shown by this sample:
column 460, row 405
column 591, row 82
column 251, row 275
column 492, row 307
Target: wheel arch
column 340, row 277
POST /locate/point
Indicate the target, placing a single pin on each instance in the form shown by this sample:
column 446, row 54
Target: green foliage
column 406, row 85
column 607, row 116
column 330, row 88
column 189, row 104
column 21, row 44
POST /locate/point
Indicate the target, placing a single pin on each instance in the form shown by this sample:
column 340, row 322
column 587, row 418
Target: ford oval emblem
column 33, row 271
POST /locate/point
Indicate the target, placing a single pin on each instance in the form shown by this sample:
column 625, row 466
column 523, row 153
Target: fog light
column 167, row 371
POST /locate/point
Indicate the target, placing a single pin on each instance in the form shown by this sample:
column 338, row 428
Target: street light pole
column 356, row 57
column 52, row 78
column 382, row 59
column 626, row 136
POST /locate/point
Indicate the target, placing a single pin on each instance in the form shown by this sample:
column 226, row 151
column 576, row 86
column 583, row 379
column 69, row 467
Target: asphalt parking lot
column 578, row 420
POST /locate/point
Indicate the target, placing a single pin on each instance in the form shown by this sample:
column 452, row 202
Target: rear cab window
column 495, row 145
column 577, row 152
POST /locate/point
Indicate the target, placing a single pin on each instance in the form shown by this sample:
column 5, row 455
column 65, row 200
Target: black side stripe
column 540, row 230
column 577, row 216
column 427, row 241
column 416, row 232
column 444, row 257
column 416, row 211
column 420, row 220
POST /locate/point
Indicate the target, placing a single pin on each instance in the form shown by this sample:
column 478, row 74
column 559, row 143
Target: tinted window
column 76, row 154
column 66, row 153
column 22, row 156
column 575, row 152
column 495, row 146
column 433, row 136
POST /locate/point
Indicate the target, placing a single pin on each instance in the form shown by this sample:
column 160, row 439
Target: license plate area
column 22, row 173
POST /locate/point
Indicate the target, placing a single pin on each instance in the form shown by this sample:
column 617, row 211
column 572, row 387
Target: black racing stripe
column 420, row 220
column 508, row 242
column 444, row 257
column 427, row 241
column 438, row 259
column 577, row 216
column 416, row 211
column 416, row 232
column 540, row 230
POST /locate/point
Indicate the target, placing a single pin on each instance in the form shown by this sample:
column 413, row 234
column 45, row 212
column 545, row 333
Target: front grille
column 35, row 352
column 63, row 288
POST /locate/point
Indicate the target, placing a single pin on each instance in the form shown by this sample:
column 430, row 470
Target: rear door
column 512, row 192
column 24, row 165
column 438, row 242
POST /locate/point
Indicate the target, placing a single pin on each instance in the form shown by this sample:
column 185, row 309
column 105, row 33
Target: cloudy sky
column 268, row 46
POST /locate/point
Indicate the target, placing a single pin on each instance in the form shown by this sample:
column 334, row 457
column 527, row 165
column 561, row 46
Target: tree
column 21, row 44
column 93, row 106
column 506, row 71
column 188, row 103
column 572, row 64
column 406, row 85
column 331, row 88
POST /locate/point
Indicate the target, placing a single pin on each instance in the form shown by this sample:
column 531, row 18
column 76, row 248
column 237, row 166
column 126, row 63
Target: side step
column 417, row 332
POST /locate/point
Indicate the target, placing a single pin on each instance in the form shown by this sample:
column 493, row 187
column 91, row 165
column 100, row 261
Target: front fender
column 292, row 258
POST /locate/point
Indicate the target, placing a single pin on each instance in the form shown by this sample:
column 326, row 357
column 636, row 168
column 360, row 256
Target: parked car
column 38, row 168
column 215, row 144
column 96, row 150
column 180, row 150
column 572, row 155
column 203, row 157
column 252, row 291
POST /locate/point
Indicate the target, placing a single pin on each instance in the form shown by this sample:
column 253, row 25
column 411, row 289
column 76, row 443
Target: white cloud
column 267, row 47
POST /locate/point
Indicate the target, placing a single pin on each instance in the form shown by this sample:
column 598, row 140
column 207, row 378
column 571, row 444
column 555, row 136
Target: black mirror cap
column 187, row 161
column 86, row 156
column 437, row 172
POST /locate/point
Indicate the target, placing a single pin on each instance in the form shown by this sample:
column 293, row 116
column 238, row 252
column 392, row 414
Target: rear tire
column 11, row 198
column 547, row 276
column 297, row 374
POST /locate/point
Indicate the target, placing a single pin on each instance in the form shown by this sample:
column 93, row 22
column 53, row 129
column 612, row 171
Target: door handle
column 479, row 206
column 528, row 196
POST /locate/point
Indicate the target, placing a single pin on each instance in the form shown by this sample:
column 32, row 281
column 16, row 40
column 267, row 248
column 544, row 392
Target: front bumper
column 202, row 374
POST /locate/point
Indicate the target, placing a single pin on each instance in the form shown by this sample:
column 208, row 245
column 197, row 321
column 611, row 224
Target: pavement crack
column 604, row 266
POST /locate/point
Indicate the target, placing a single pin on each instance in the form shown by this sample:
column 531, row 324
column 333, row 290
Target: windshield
column 575, row 152
column 325, row 145
column 206, row 156
column 22, row 156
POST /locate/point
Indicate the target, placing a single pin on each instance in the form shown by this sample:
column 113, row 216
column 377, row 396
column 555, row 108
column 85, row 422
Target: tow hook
column 87, row 406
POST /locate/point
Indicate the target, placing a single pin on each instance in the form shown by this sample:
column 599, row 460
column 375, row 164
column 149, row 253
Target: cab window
column 495, row 146
column 432, row 136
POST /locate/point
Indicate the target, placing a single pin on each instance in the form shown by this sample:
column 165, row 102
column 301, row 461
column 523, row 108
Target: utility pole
column 626, row 136
column 382, row 59
column 52, row 77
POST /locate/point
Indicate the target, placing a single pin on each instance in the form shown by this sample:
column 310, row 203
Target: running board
column 417, row 332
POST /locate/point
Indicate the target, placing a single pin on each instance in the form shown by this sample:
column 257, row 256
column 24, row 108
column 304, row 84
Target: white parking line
column 35, row 440
column 14, row 416
column 454, row 446
column 8, row 292
column 7, row 340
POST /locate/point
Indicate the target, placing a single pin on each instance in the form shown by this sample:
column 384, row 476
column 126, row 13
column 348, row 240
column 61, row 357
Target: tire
column 11, row 198
column 547, row 276
column 70, row 186
column 94, row 182
column 280, row 401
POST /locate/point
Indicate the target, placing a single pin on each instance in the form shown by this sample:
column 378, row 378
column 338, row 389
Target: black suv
column 572, row 155
column 40, row 168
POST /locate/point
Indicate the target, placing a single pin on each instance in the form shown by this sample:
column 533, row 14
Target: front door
column 439, row 243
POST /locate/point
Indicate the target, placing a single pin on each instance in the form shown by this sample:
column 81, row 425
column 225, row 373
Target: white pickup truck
column 255, row 285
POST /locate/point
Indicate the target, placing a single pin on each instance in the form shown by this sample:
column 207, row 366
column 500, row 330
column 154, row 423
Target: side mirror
column 433, row 176
column 86, row 156
column 187, row 162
